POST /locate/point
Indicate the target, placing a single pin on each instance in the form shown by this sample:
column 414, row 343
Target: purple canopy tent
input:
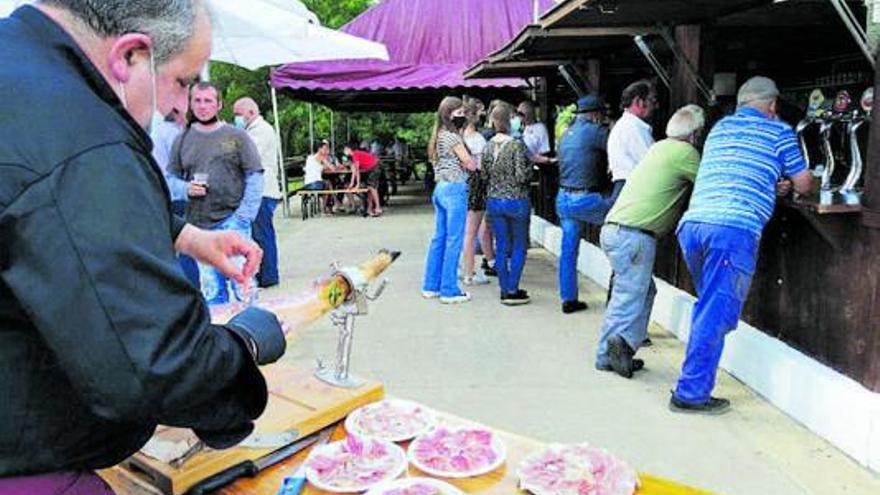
column 431, row 43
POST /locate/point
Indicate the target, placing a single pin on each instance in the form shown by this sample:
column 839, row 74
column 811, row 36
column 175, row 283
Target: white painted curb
column 832, row 405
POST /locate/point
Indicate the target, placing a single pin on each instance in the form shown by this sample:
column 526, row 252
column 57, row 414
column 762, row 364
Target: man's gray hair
column 757, row 91
column 686, row 121
column 169, row 23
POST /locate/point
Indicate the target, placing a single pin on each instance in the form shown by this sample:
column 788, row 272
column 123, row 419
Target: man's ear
column 120, row 58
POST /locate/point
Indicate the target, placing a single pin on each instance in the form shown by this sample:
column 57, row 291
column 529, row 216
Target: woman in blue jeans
column 509, row 170
column 451, row 160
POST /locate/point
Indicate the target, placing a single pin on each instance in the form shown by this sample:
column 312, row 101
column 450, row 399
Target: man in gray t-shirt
column 224, row 177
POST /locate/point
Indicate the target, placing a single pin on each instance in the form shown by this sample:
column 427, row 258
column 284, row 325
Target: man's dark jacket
column 101, row 336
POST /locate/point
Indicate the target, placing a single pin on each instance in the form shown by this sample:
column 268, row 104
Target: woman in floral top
column 451, row 160
column 509, row 170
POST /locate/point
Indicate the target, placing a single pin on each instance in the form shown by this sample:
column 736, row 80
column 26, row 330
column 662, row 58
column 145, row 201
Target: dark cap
column 589, row 103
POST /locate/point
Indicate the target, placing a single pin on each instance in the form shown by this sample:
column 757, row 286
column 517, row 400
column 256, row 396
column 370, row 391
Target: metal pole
column 852, row 23
column 536, row 11
column 652, row 60
column 311, row 128
column 280, row 155
column 332, row 133
column 348, row 128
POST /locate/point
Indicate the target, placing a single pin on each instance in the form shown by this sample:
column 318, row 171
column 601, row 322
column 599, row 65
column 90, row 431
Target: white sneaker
column 480, row 277
column 461, row 298
column 430, row 294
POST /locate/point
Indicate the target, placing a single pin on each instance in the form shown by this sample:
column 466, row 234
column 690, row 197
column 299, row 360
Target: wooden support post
column 871, row 195
column 548, row 175
column 683, row 90
column 594, row 75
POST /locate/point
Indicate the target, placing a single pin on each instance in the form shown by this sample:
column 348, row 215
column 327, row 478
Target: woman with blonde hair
column 451, row 161
column 477, row 184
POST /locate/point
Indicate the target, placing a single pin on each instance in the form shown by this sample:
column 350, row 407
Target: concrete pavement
column 529, row 369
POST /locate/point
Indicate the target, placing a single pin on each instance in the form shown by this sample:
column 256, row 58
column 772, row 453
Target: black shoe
column 517, row 298
column 647, row 342
column 621, row 356
column 638, row 365
column 490, row 271
column 573, row 306
column 712, row 407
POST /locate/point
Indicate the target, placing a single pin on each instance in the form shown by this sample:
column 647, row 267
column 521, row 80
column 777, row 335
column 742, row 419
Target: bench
column 309, row 199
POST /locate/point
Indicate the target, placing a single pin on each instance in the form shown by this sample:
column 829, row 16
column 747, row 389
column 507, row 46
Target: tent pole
column 311, row 128
column 205, row 74
column 280, row 155
column 332, row 133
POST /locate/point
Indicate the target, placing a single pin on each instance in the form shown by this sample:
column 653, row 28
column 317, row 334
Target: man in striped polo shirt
column 749, row 158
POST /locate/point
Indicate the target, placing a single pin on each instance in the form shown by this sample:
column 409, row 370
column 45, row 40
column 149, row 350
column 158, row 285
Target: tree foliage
column 235, row 82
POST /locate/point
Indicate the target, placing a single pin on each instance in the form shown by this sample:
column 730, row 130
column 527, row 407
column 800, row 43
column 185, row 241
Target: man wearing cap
column 579, row 201
column 748, row 159
column 648, row 207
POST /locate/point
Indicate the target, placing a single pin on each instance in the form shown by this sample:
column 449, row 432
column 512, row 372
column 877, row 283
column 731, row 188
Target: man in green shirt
column 648, row 207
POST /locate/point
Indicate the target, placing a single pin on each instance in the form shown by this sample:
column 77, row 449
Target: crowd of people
column 718, row 204
column 222, row 177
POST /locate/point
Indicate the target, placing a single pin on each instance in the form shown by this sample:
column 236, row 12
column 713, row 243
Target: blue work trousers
column 215, row 285
column 441, row 267
column 189, row 266
column 721, row 261
column 264, row 236
column 575, row 211
column 631, row 253
column 510, row 223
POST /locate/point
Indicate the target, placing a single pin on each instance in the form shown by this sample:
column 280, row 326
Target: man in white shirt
column 534, row 133
column 631, row 135
column 247, row 116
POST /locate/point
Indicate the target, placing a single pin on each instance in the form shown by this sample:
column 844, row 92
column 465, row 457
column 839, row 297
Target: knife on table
column 293, row 485
column 252, row 468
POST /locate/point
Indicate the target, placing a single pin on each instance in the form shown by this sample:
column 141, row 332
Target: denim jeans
column 189, row 266
column 721, row 261
column 631, row 254
column 510, row 223
column 575, row 211
column 264, row 236
column 215, row 288
column 441, row 267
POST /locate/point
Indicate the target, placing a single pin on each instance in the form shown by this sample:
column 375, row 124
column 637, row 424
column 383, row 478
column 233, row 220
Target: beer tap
column 826, row 194
column 851, row 196
column 813, row 114
column 799, row 130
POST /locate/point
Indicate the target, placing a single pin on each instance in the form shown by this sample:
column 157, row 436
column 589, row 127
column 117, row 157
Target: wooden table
column 501, row 481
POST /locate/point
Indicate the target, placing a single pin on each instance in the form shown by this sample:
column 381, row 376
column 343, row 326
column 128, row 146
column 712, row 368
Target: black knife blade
column 252, row 468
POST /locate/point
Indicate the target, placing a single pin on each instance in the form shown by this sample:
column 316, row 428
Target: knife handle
column 224, row 478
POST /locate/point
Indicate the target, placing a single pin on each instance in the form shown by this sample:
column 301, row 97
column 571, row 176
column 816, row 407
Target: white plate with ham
column 415, row 486
column 354, row 464
column 457, row 452
column 393, row 420
column 576, row 470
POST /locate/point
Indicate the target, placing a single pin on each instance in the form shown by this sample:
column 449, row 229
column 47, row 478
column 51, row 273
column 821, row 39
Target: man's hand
column 197, row 190
column 217, row 247
column 783, row 187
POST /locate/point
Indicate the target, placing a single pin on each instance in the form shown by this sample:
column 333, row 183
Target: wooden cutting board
column 297, row 400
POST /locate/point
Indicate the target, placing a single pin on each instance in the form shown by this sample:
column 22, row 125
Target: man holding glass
column 225, row 182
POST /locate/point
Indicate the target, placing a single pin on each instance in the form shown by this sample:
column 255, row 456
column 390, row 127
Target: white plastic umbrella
column 258, row 33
